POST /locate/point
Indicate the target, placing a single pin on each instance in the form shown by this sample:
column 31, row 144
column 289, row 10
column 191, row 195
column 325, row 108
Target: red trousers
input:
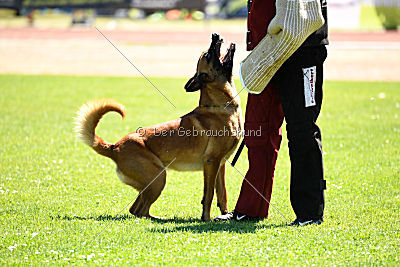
column 263, row 135
column 263, row 112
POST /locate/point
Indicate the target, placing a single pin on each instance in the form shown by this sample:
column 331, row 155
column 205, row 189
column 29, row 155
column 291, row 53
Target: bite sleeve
column 294, row 21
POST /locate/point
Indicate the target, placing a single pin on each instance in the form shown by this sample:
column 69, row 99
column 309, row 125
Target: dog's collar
column 226, row 105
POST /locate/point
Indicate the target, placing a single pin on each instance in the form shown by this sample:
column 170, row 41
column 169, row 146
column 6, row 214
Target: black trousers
column 299, row 85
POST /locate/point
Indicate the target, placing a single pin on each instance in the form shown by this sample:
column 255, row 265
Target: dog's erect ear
column 193, row 84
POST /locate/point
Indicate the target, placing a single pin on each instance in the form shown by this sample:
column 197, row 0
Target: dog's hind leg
column 211, row 166
column 221, row 190
column 136, row 206
column 148, row 195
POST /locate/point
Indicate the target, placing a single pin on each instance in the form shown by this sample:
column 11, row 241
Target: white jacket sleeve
column 294, row 21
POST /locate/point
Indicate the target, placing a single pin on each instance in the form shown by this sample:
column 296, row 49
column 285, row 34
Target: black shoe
column 299, row 222
column 294, row 223
column 236, row 216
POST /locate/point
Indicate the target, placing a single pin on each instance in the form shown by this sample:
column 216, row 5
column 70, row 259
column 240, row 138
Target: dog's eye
column 203, row 76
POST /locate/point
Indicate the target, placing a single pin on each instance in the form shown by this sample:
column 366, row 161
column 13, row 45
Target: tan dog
column 200, row 140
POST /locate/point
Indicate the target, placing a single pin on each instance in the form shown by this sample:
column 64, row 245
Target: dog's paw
column 205, row 218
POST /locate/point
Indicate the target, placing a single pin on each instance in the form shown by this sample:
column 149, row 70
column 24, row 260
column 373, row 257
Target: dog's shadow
column 95, row 218
column 177, row 224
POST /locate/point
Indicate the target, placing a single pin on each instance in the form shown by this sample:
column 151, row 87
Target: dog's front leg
column 221, row 190
column 211, row 166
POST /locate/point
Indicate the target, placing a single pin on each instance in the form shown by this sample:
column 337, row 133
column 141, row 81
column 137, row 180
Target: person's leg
column 299, row 84
column 263, row 112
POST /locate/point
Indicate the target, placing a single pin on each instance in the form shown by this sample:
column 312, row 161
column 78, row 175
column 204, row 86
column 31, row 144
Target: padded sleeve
column 294, row 21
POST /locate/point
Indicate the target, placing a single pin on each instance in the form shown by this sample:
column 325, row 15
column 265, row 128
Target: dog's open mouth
column 225, row 61
column 215, row 49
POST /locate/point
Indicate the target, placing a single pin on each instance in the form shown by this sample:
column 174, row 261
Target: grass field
column 61, row 203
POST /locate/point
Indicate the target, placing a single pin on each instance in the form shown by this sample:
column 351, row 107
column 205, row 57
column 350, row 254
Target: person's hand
column 276, row 25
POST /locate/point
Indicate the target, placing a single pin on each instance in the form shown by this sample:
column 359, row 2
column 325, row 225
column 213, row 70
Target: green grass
column 60, row 202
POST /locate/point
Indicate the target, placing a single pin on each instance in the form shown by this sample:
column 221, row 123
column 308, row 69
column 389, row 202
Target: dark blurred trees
column 389, row 13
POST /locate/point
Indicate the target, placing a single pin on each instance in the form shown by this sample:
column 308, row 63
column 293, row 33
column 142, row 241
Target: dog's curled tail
column 87, row 119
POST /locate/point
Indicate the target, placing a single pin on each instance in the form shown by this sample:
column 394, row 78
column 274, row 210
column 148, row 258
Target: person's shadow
column 178, row 224
column 197, row 226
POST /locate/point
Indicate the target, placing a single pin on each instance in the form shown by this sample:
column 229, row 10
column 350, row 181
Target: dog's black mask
column 216, row 66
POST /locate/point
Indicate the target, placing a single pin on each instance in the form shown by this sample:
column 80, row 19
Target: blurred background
column 166, row 37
